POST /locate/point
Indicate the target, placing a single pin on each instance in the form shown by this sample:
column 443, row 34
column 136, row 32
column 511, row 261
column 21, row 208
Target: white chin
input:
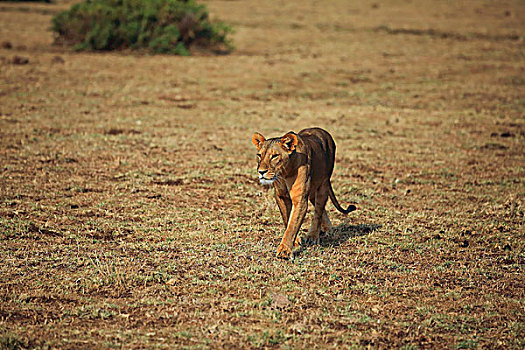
column 266, row 181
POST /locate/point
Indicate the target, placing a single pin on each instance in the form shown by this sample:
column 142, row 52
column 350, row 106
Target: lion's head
column 273, row 155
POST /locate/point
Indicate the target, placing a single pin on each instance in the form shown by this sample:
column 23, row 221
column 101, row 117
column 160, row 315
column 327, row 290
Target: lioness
column 299, row 166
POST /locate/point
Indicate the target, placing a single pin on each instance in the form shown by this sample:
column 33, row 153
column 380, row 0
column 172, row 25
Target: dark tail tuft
column 350, row 208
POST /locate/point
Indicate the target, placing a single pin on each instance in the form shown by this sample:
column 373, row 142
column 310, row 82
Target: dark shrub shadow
column 343, row 232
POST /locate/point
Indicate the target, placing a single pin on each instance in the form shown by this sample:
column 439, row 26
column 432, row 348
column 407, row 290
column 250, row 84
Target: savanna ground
column 130, row 214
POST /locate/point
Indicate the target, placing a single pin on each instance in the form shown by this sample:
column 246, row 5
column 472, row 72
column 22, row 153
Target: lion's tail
column 350, row 208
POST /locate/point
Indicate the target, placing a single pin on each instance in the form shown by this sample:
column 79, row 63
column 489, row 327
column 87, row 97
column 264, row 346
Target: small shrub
column 48, row 1
column 159, row 26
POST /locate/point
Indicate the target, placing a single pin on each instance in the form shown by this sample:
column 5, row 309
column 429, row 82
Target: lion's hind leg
column 320, row 218
column 326, row 225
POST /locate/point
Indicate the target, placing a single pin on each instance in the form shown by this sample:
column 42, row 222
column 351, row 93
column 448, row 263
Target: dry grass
column 130, row 215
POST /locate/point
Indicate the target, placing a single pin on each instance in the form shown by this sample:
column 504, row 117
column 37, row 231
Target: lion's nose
column 262, row 172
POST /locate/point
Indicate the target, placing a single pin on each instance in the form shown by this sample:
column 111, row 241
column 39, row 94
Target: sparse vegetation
column 160, row 26
column 131, row 216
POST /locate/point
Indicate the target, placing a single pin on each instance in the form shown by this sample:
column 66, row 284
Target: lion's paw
column 312, row 240
column 284, row 252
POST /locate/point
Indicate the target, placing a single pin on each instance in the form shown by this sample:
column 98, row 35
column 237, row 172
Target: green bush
column 48, row 1
column 160, row 26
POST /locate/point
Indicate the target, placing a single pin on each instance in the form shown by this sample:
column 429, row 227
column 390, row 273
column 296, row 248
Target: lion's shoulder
column 321, row 152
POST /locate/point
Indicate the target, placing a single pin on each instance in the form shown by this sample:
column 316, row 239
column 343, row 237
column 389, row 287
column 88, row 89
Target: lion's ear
column 289, row 141
column 257, row 140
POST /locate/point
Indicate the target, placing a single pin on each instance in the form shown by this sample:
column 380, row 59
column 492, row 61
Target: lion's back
column 322, row 146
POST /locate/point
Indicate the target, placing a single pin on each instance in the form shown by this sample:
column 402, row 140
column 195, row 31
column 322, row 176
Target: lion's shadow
column 343, row 232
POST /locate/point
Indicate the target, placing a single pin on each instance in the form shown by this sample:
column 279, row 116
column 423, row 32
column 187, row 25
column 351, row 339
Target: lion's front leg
column 291, row 238
column 282, row 198
column 299, row 207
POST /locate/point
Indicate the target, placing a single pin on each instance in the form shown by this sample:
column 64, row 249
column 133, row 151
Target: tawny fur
column 299, row 167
